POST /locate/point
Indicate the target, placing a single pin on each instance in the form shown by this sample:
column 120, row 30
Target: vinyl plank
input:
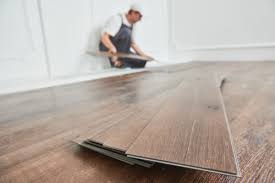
column 108, row 122
column 138, row 103
column 121, row 135
column 190, row 130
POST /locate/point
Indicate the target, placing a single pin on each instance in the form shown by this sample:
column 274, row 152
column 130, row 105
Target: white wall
column 45, row 40
column 21, row 42
column 66, row 24
column 222, row 29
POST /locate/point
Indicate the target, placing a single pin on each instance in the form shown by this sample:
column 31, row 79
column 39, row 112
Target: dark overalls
column 122, row 41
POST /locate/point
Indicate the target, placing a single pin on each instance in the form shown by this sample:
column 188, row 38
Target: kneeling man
column 117, row 36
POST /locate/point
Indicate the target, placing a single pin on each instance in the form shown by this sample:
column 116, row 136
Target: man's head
column 135, row 13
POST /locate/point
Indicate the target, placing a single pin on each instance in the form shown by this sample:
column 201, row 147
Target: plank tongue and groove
column 190, row 130
column 121, row 135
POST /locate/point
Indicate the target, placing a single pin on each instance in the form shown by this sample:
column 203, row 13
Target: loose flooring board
column 121, row 135
column 144, row 103
column 190, row 130
column 105, row 123
column 134, row 106
column 132, row 98
column 121, row 55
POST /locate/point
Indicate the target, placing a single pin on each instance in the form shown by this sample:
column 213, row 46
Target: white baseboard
column 22, row 86
column 226, row 54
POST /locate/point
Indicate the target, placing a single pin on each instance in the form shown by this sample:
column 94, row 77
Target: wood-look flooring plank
column 141, row 100
column 134, row 102
column 121, row 135
column 108, row 122
column 190, row 130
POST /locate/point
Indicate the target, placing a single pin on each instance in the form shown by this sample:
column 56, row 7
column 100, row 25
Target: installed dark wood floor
column 36, row 128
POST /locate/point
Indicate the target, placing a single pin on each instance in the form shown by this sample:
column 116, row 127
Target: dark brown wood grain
column 41, row 148
column 121, row 135
column 189, row 130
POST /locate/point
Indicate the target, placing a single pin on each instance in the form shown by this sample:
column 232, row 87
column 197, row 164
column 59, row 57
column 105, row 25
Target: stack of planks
column 185, row 126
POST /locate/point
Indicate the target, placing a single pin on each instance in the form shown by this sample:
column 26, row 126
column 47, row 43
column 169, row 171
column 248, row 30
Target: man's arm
column 105, row 38
column 137, row 49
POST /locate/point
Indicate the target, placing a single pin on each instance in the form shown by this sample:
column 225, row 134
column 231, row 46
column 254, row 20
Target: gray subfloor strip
column 118, row 155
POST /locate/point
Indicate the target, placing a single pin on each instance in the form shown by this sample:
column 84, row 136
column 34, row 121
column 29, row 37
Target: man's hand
column 139, row 51
column 113, row 50
column 108, row 43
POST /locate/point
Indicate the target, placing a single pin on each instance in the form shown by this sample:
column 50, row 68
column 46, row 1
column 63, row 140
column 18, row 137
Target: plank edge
column 220, row 83
column 184, row 166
